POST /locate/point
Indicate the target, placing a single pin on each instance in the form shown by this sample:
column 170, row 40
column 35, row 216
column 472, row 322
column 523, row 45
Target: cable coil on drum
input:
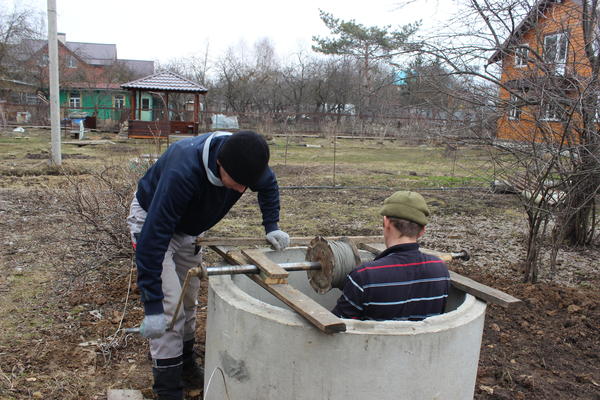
column 337, row 258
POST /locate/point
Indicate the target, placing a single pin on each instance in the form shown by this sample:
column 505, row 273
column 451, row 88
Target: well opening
column 299, row 281
column 267, row 351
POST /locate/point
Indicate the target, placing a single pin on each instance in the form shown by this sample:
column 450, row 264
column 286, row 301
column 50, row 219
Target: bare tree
column 542, row 57
column 368, row 45
column 16, row 26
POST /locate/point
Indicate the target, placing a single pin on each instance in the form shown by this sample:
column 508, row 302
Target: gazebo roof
column 165, row 82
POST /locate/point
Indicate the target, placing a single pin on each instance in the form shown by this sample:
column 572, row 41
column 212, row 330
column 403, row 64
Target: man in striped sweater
column 401, row 283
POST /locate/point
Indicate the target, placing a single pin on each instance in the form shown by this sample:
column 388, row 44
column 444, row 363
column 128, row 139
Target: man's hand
column 279, row 239
column 153, row 326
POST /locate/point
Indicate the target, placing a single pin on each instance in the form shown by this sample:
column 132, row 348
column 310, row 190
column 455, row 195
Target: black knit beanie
column 244, row 156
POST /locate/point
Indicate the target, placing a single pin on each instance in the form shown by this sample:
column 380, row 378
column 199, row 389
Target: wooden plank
column 270, row 272
column 124, row 394
column 236, row 258
column 483, row 292
column 377, row 248
column 294, row 241
column 88, row 142
column 479, row 290
column 446, row 257
column 374, row 248
column 314, row 313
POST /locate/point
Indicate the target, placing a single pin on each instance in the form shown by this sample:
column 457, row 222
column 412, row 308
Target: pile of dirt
column 546, row 348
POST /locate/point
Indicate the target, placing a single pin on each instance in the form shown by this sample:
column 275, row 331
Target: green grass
column 390, row 164
column 15, row 322
column 357, row 163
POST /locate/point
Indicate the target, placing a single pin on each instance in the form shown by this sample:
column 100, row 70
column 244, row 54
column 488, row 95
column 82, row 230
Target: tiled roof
column 94, row 53
column 100, row 54
column 166, row 82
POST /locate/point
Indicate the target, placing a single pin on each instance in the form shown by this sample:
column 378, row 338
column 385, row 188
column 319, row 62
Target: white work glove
column 278, row 239
column 153, row 326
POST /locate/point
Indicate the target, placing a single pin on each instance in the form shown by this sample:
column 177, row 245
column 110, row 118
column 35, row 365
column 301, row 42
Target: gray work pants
column 179, row 258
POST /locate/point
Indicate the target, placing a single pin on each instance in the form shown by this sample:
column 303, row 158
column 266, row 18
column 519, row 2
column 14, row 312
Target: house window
column 119, row 101
column 555, row 51
column 43, row 60
column 521, row 56
column 31, row 98
column 514, row 108
column 552, row 112
column 74, row 100
column 145, row 104
column 71, row 62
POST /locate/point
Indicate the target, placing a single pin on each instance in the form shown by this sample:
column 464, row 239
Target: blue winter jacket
column 178, row 197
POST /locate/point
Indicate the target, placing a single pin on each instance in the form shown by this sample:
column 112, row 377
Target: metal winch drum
column 337, row 260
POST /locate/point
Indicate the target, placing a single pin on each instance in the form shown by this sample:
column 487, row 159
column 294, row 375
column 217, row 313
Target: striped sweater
column 401, row 283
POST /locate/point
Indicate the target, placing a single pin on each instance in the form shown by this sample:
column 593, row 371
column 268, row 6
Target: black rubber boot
column 193, row 374
column 167, row 379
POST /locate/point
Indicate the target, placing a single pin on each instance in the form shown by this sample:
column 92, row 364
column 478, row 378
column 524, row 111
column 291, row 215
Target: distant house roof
column 99, row 54
column 537, row 10
column 94, row 53
column 166, row 82
column 139, row 67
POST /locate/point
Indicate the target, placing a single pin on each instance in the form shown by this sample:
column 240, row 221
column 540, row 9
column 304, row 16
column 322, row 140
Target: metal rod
column 253, row 269
column 293, row 266
column 461, row 255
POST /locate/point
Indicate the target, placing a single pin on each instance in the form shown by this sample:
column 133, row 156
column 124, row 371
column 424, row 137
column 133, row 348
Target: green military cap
column 406, row 205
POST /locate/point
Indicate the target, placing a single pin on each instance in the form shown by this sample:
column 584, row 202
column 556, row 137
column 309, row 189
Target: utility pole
column 53, row 77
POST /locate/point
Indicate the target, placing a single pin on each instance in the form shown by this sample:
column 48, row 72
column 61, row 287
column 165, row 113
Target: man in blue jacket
column 187, row 191
column 401, row 283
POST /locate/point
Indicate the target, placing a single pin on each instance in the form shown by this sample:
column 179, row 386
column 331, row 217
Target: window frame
column 147, row 107
column 74, row 97
column 551, row 112
column 71, row 61
column 514, row 109
column 559, row 63
column 521, row 55
column 119, row 101
column 44, row 60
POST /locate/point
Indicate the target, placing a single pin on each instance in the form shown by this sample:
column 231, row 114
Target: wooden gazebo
column 165, row 83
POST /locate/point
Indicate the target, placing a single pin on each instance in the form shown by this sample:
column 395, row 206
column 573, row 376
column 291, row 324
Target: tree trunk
column 577, row 227
column 536, row 218
column 580, row 202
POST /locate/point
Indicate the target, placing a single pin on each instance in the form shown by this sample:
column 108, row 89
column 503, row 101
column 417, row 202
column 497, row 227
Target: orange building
column 545, row 75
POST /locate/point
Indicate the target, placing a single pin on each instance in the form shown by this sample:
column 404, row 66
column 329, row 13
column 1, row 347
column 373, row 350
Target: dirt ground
column 61, row 314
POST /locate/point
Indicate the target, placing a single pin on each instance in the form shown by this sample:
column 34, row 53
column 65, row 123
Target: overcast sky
column 163, row 30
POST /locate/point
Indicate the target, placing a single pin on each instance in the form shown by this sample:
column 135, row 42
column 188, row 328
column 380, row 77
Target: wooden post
column 166, row 115
column 132, row 100
column 196, row 110
column 139, row 94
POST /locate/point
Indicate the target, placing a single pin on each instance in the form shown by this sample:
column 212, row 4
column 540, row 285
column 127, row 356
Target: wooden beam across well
column 270, row 272
column 294, row 241
column 479, row 290
column 312, row 311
